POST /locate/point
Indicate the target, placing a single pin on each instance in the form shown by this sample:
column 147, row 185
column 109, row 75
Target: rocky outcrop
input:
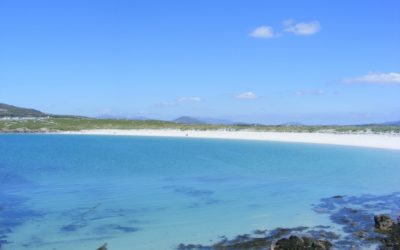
column 358, row 216
column 391, row 231
column 300, row 243
column 103, row 247
column 383, row 222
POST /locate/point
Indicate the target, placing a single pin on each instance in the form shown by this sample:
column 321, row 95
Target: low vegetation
column 13, row 111
column 54, row 124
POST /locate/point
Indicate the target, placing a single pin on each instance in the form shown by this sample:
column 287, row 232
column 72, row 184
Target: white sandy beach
column 386, row 141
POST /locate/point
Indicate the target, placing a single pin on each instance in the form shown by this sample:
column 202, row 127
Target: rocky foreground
column 387, row 237
column 360, row 229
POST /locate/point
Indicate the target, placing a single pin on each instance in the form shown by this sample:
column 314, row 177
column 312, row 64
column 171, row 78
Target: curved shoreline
column 383, row 141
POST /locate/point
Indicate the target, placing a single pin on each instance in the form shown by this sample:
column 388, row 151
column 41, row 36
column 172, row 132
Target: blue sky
column 313, row 62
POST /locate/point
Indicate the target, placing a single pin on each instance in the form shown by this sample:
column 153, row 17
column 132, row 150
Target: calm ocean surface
column 78, row 192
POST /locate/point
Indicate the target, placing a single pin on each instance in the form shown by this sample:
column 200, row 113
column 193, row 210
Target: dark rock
column 383, row 222
column 280, row 232
column 316, row 239
column 192, row 247
column 293, row 242
column 392, row 239
column 322, row 227
column 103, row 247
column 355, row 215
column 338, row 196
column 360, row 234
column 297, row 243
column 259, row 231
column 327, row 235
column 250, row 243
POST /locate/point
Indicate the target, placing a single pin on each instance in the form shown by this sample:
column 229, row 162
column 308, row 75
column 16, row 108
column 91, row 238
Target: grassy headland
column 54, row 124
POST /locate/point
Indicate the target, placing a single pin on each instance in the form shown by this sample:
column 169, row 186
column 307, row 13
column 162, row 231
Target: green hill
column 188, row 120
column 13, row 111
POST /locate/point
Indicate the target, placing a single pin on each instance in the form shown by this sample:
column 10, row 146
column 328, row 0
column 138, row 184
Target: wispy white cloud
column 377, row 78
column 310, row 92
column 263, row 32
column 187, row 99
column 302, row 28
column 290, row 26
column 246, row 95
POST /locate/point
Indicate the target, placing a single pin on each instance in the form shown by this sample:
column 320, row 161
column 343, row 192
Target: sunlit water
column 78, row 192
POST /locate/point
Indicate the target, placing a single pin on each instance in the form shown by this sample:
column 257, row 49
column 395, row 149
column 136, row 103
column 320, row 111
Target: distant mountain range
column 189, row 120
column 214, row 121
column 7, row 110
column 13, row 111
column 203, row 120
column 294, row 124
column 392, row 123
column 120, row 117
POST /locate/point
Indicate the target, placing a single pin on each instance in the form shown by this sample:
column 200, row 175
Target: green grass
column 75, row 124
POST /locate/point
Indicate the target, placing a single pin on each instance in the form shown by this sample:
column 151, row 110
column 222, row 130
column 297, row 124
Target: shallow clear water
column 77, row 192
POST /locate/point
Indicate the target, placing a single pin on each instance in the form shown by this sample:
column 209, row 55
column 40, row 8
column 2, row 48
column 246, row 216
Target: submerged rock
column 14, row 210
column 103, row 247
column 383, row 222
column 191, row 247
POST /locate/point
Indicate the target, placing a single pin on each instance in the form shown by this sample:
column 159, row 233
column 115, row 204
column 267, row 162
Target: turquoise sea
column 78, row 192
